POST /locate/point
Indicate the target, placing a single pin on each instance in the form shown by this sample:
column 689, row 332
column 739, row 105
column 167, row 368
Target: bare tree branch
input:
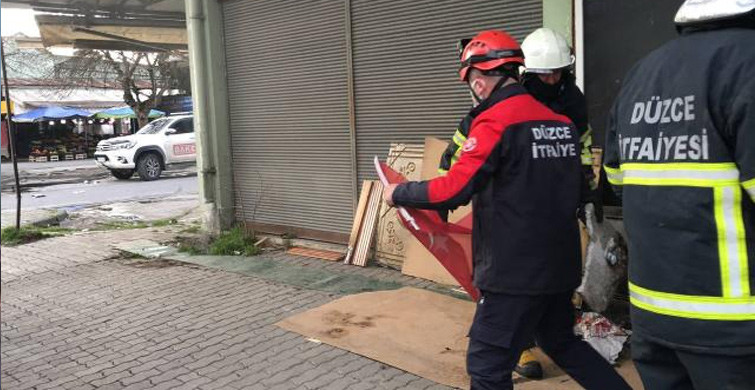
column 144, row 78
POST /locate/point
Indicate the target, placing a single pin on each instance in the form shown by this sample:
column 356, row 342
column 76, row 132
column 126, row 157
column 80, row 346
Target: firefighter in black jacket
column 521, row 165
column 681, row 147
column 548, row 78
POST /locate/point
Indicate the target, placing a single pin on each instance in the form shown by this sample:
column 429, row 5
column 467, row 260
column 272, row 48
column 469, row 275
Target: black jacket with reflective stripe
column 681, row 142
column 565, row 99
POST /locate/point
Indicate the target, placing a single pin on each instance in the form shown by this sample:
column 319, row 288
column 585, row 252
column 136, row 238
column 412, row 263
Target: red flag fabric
column 450, row 243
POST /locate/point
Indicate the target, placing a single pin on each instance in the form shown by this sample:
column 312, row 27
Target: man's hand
column 388, row 193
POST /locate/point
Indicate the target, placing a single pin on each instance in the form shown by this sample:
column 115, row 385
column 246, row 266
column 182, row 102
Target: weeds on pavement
column 11, row 236
column 234, row 242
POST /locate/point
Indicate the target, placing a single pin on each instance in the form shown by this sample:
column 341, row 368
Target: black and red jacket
column 521, row 167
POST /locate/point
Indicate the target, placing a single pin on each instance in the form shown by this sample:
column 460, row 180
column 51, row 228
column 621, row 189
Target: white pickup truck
column 162, row 142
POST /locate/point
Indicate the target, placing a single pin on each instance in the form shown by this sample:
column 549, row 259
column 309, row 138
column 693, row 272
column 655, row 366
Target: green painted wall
column 557, row 14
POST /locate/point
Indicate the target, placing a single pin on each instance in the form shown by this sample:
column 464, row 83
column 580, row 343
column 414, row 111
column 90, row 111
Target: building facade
column 293, row 99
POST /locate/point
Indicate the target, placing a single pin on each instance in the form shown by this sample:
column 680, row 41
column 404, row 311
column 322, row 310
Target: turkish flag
column 450, row 243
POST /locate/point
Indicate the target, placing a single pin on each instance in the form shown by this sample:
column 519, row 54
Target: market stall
column 59, row 133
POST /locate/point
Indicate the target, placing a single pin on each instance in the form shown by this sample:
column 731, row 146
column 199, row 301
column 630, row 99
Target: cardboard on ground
column 415, row 330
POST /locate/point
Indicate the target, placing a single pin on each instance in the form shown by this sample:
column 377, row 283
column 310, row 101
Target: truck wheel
column 122, row 174
column 149, row 166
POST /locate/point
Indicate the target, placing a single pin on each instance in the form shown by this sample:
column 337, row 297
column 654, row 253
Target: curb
column 55, row 219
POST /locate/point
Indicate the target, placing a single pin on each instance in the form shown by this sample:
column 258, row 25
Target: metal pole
column 352, row 107
column 11, row 138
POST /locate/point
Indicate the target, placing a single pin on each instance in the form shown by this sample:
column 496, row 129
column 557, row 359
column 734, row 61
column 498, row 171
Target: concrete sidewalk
column 77, row 315
column 89, row 217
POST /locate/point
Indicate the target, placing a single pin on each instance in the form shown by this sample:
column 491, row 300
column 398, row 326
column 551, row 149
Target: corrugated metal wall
column 288, row 93
column 405, row 65
column 288, row 101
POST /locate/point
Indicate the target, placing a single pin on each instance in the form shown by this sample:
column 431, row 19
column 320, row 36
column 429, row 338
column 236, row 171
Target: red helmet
column 489, row 50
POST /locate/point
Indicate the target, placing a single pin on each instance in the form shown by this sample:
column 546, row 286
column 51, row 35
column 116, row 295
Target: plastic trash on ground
column 604, row 336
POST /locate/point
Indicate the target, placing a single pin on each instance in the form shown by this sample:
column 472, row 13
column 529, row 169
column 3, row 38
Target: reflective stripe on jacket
column 681, row 146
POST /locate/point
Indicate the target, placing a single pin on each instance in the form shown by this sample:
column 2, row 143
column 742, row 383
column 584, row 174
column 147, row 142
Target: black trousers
column 505, row 324
column 665, row 368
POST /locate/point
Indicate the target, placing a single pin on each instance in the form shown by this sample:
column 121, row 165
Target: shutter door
column 288, row 103
column 405, row 65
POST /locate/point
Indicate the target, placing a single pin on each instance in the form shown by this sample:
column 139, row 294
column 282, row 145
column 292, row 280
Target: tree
column 144, row 78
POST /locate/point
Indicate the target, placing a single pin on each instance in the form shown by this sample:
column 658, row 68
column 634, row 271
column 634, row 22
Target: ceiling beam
column 84, row 8
column 116, row 42
column 43, row 19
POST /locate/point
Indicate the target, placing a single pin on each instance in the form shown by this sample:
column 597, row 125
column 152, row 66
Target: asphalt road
column 103, row 191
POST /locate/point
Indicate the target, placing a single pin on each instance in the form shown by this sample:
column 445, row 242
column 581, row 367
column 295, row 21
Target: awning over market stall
column 124, row 112
column 51, row 113
column 28, row 96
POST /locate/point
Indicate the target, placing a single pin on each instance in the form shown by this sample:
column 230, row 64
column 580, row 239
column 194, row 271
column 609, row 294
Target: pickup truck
column 162, row 142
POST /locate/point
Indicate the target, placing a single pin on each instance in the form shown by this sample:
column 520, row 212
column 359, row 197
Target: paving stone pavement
column 75, row 316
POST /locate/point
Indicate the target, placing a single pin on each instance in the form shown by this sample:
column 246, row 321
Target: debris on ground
column 605, row 264
column 316, row 253
column 604, row 336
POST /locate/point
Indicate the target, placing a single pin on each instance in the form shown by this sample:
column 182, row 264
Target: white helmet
column 545, row 51
column 701, row 11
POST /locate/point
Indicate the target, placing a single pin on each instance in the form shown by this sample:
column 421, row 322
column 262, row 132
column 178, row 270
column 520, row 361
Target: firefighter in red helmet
column 521, row 167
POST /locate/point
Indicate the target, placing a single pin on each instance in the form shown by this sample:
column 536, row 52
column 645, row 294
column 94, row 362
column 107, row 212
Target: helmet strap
column 475, row 100
column 504, row 77
column 475, row 97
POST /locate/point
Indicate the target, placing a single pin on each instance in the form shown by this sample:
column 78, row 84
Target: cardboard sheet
column 416, row 331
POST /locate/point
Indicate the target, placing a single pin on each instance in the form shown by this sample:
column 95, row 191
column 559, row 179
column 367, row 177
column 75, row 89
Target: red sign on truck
column 184, row 149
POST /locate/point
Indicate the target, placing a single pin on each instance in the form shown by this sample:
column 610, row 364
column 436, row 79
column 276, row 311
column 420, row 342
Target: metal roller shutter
column 405, row 65
column 287, row 89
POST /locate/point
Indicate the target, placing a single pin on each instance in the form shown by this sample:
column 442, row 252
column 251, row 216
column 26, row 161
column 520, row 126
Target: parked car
column 162, row 142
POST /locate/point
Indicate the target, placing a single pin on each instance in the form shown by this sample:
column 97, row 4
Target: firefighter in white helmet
column 680, row 146
column 548, row 77
column 548, row 62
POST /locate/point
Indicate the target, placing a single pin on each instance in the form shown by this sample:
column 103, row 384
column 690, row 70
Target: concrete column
column 210, row 96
